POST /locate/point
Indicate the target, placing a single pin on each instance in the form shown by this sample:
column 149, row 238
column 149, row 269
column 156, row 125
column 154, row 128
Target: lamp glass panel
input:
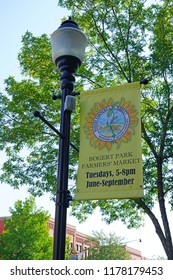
column 68, row 41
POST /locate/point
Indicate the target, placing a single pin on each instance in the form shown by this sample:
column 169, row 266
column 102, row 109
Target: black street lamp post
column 68, row 48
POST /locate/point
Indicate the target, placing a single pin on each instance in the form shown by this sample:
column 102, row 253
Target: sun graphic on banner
column 110, row 122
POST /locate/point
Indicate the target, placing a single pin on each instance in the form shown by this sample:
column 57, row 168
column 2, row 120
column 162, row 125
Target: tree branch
column 147, row 139
column 109, row 49
column 154, row 220
column 123, row 41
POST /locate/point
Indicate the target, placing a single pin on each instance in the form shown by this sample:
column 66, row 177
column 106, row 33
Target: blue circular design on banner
column 111, row 123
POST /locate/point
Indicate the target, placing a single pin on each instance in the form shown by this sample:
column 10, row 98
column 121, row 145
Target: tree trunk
column 164, row 240
column 165, row 236
column 161, row 201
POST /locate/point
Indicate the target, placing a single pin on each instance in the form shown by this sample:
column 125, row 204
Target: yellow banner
column 110, row 158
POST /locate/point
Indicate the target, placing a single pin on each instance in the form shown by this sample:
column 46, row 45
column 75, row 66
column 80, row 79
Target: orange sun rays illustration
column 113, row 130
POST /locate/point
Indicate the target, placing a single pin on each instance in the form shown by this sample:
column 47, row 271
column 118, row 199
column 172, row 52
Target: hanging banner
column 110, row 158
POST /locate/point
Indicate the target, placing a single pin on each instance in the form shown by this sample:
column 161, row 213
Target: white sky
column 38, row 17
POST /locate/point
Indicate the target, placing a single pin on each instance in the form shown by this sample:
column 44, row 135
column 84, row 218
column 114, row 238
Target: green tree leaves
column 107, row 247
column 26, row 234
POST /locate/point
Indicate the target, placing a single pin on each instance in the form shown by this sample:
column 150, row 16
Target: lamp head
column 68, row 46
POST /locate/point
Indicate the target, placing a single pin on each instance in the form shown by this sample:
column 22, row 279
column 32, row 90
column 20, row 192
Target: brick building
column 79, row 241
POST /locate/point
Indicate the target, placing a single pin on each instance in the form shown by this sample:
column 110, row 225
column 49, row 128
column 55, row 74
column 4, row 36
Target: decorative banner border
column 110, row 158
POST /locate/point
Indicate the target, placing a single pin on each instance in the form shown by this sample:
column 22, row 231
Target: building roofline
column 5, row 217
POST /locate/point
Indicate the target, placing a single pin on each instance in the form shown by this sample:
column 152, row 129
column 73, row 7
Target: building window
column 80, row 248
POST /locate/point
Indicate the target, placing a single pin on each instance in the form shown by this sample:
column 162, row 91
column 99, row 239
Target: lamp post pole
column 132, row 241
column 68, row 48
column 62, row 195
